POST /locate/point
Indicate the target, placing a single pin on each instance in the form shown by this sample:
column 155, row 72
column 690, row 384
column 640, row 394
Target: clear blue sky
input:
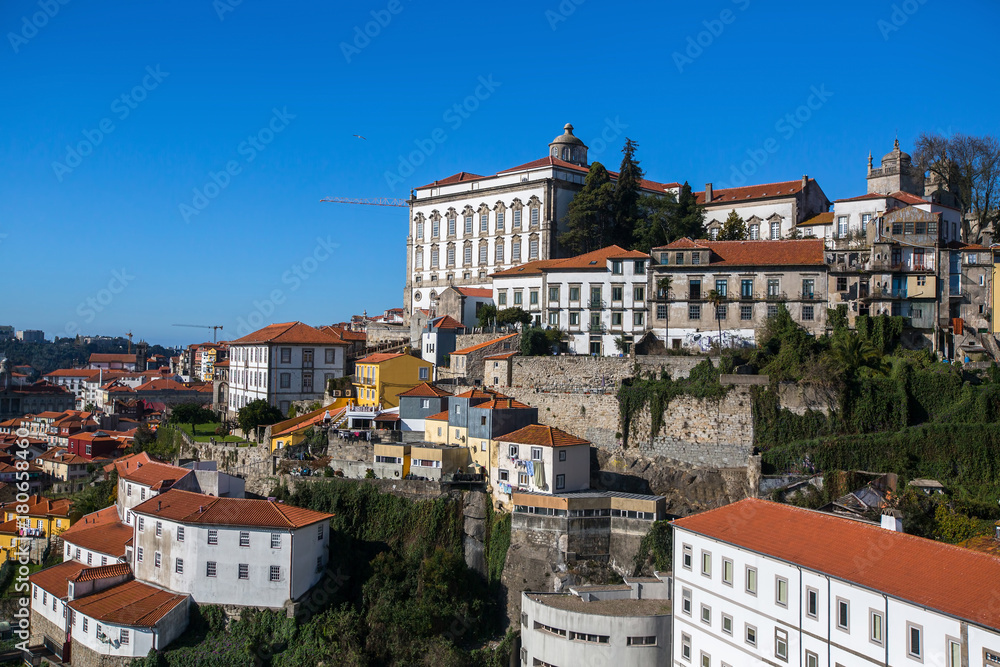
column 68, row 223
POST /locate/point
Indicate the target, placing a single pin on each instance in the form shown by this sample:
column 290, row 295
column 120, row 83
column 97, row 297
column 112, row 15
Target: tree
column 191, row 413
column 487, row 315
column 690, row 215
column 626, row 198
column 853, row 352
column 663, row 285
column 969, row 168
column 590, row 217
column 257, row 414
column 512, row 316
column 143, row 438
column 534, row 343
column 716, row 298
column 657, row 222
column 734, row 229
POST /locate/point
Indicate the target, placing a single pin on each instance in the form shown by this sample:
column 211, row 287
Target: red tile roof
column 870, row 195
column 505, row 355
column 147, row 471
column 503, row 404
column 133, row 604
column 188, row 507
column 73, row 372
column 101, row 532
column 907, row 198
column 481, row 292
column 53, row 579
column 791, row 252
column 441, row 416
column 106, row 358
column 480, row 394
column 40, row 506
column 379, row 357
column 548, row 436
column 480, row 346
column 305, row 421
column 102, row 572
column 942, row 577
column 446, row 322
column 460, row 177
column 426, row 390
column 63, row 457
column 290, row 333
column 595, row 260
column 162, row 385
column 821, row 219
column 748, row 192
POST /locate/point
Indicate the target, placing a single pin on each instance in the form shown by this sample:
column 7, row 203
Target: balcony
column 595, row 328
column 777, row 296
column 749, row 296
column 809, row 296
column 596, row 304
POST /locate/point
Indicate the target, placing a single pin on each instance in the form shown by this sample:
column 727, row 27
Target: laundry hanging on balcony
column 539, row 474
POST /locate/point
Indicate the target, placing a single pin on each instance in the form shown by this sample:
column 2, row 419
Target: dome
column 895, row 154
column 567, row 137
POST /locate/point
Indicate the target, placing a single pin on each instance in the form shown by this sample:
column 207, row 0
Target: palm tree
column 716, row 298
column 663, row 285
column 852, row 352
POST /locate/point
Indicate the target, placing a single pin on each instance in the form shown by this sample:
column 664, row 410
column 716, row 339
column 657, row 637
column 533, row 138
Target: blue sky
column 197, row 198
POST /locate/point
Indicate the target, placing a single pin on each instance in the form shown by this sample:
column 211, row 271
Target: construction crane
column 378, row 201
column 214, row 328
column 129, row 334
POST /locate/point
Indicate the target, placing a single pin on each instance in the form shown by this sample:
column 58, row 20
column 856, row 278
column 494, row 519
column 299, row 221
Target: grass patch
column 205, row 432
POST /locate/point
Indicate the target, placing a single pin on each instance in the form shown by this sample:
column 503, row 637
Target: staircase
column 338, row 419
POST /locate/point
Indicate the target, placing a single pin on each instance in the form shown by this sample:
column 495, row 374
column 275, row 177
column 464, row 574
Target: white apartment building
column 466, row 227
column 771, row 210
column 596, row 297
column 540, row 459
column 256, row 553
column 626, row 625
column 282, row 363
column 762, row 583
column 97, row 539
column 73, row 380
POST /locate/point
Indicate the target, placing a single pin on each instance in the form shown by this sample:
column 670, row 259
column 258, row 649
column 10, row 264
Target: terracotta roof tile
column 162, row 385
column 426, row 390
column 821, row 219
column 547, row 436
column 379, row 357
column 188, row 507
column 943, row 577
column 53, row 579
column 479, row 346
column 441, row 416
column 487, row 395
column 143, row 469
column 505, row 355
column 106, row 358
column 291, row 333
column 482, row 292
column 503, row 404
column 102, row 572
column 41, row 506
column 791, row 252
column 748, row 192
column 446, row 322
column 460, row 177
column 132, row 603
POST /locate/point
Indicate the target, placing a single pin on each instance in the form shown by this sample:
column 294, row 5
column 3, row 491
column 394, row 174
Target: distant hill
column 66, row 352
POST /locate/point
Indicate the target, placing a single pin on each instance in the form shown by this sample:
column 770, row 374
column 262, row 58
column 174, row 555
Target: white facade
column 564, row 469
column 90, row 557
column 238, row 568
column 733, row 606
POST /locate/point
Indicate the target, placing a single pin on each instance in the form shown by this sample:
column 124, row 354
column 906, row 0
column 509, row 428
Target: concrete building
column 30, row 336
column 119, row 362
column 66, row 472
column 469, row 363
column 752, row 277
column 771, row 211
column 540, row 459
column 416, row 404
column 380, row 378
column 757, row 582
column 437, row 340
column 255, row 553
column 98, row 538
column 464, row 303
column 73, row 380
column 627, row 625
column 282, row 363
column 466, row 227
column 17, row 399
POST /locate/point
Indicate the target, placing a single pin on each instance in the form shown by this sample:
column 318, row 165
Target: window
column 244, row 571
column 533, row 249
column 875, row 627
column 104, row 560
column 695, row 258
column 424, row 373
column 706, row 660
column 329, row 355
column 773, row 287
column 865, row 219
column 498, row 252
column 138, row 554
column 781, row 644
column 420, row 229
column 678, row 259
column 142, row 523
column 534, row 217
column 914, row 640
column 754, row 232
column 180, row 533
column 616, row 267
column 808, row 288
column 616, row 319
column 275, row 540
column 504, row 475
column 517, row 218
column 574, row 319
column 562, row 454
column 954, row 653
column 319, row 563
column 452, row 224
column 179, row 565
column 638, row 319
column 213, row 536
column 502, row 298
column 78, row 553
column 513, row 451
column 746, row 312
column 286, row 355
column 451, row 255
column 727, row 571
column 434, row 258
column 560, row 482
column 616, row 293
column 285, row 380
column 750, row 635
column 574, row 293
column 807, row 313
column 752, row 580
column 533, row 297
column 781, row 591
column 772, row 310
column 841, row 226
column 812, row 660
column 129, row 491
column 727, row 624
column 640, row 266
column 499, row 221
column 100, row 633
column 468, row 255
column 812, row 603
column 706, row 563
column 275, row 573
column 706, row 614
column 694, row 290
column 518, row 298
column 686, row 601
column 159, row 528
column 661, row 311
column 536, row 453
column 641, row 641
column 156, row 559
column 721, row 311
column 843, row 614
column 320, row 532
column 686, row 646
column 686, row 558
column 776, row 230
column 722, row 287
column 210, row 568
column 244, row 539
column 694, row 311
column 85, row 623
column 553, row 294
column 484, row 222
column 522, row 479
column 897, row 228
column 554, row 318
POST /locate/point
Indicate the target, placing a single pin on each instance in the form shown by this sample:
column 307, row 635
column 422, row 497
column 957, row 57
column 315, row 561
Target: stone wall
column 579, row 374
column 85, row 657
column 378, row 334
column 799, row 398
column 42, row 627
column 463, row 341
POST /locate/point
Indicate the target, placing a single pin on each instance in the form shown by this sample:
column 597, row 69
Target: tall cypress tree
column 590, row 218
column 627, row 193
column 657, row 217
column 690, row 219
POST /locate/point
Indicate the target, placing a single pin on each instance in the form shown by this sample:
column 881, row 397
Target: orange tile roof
column 73, row 372
column 305, row 421
column 480, row 346
column 460, row 177
column 133, row 604
column 783, row 189
column 61, row 456
column 102, row 572
column 482, row 292
column 98, row 357
column 143, row 469
column 441, row 416
column 870, row 195
column 41, row 506
column 505, row 355
column 289, row 332
column 548, row 436
column 446, row 322
column 595, row 260
column 479, row 393
column 791, row 252
column 53, row 579
column 101, row 532
column 821, row 219
column 530, row 269
column 188, row 507
column 426, row 390
column 162, row 385
column 379, row 357
column 942, row 577
column 503, row 404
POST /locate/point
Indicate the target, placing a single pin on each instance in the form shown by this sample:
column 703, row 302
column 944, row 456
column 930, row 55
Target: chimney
column 708, row 193
column 892, row 520
column 805, row 182
column 159, row 505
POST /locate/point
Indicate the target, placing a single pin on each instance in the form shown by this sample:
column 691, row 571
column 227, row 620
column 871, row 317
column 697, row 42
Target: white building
column 771, row 211
column 540, row 459
column 97, row 539
column 757, row 582
column 596, row 298
column 465, row 227
column 255, row 553
column 73, row 379
column 282, row 363
column 626, row 625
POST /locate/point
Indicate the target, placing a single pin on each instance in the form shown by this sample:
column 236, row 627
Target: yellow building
column 380, row 378
column 292, row 432
column 44, row 518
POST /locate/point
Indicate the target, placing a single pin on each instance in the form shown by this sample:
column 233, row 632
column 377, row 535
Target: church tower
column 896, row 174
column 569, row 148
